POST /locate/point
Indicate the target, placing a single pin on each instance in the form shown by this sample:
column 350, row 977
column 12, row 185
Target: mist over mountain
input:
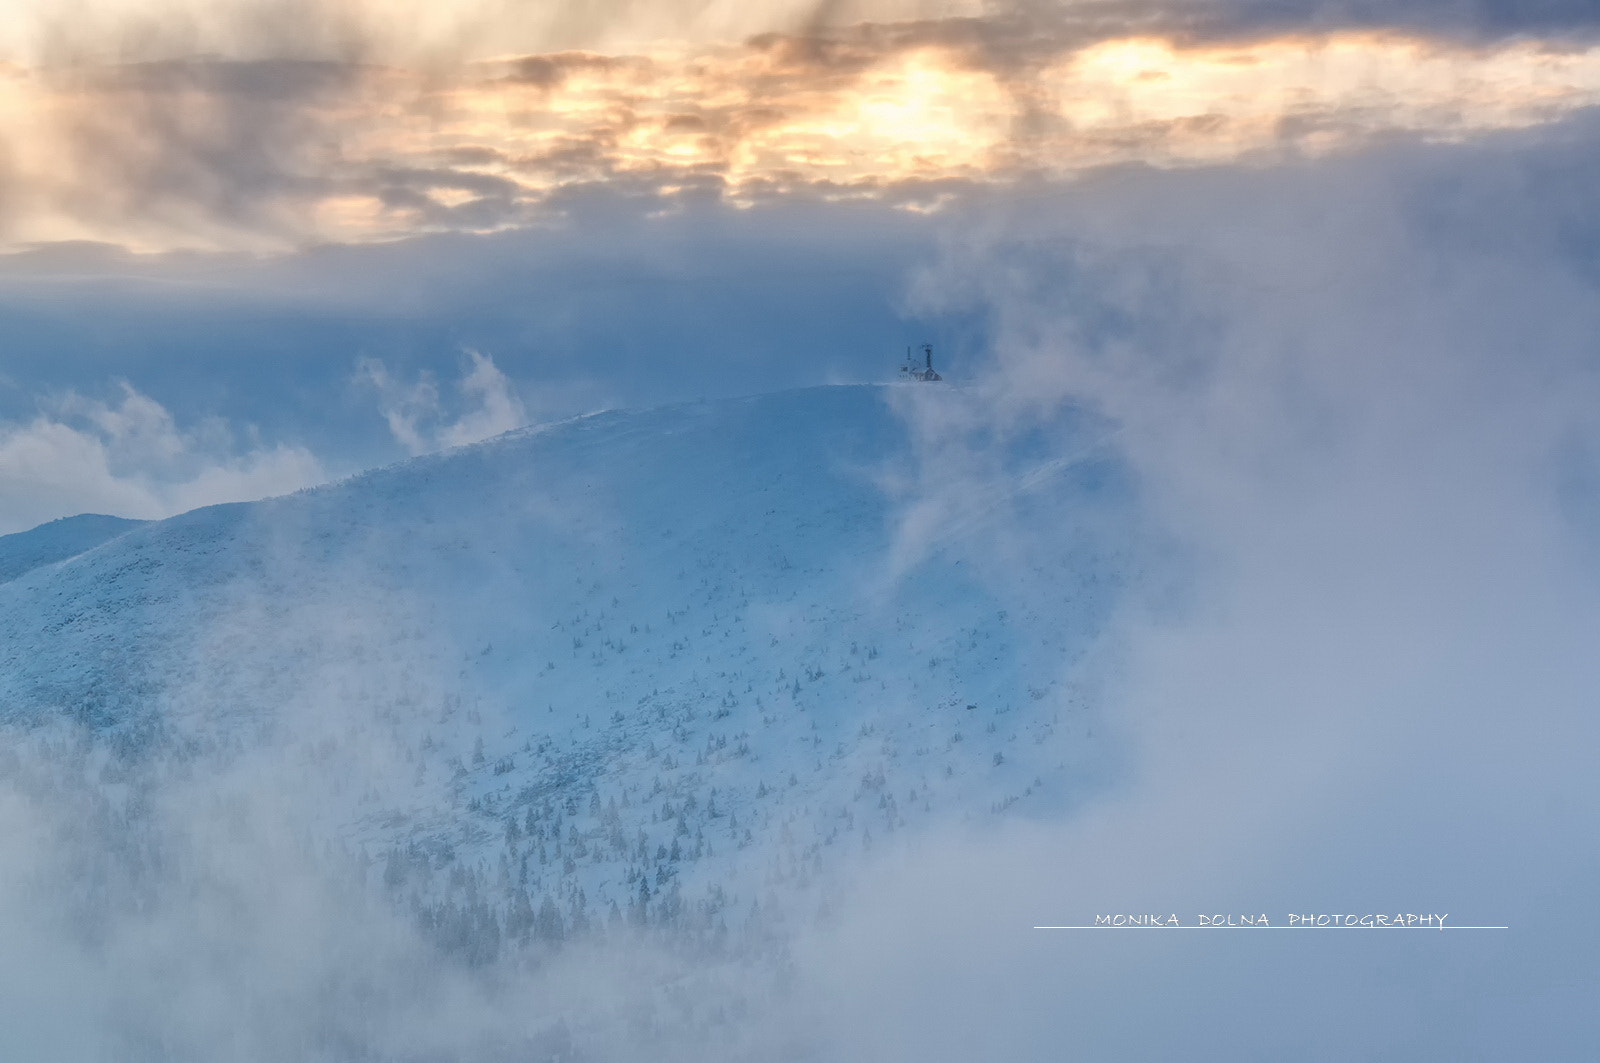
column 669, row 673
column 1160, row 684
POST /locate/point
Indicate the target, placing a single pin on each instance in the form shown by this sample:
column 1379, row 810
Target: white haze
column 1361, row 402
column 129, row 456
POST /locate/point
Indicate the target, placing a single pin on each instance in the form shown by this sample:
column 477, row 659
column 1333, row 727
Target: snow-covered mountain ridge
column 58, row 540
column 615, row 666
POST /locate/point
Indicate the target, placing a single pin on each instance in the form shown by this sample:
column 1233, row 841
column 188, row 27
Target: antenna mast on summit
column 926, row 372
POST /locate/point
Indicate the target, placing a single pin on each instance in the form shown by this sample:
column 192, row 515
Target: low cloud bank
column 128, row 457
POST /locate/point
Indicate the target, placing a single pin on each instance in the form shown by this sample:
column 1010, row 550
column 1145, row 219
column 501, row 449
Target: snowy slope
column 56, row 541
column 632, row 661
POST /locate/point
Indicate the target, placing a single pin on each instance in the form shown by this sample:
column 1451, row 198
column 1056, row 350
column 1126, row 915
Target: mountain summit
column 616, row 664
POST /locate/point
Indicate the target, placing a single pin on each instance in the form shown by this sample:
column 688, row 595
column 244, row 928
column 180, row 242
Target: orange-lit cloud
column 275, row 153
column 1148, row 100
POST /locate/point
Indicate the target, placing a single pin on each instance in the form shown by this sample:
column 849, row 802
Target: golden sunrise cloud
column 414, row 33
column 278, row 153
column 1149, row 100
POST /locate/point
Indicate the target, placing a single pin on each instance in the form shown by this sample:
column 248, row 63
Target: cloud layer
column 129, row 458
column 278, row 147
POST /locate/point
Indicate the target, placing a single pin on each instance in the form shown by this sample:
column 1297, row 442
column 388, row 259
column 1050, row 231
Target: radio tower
column 926, row 372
